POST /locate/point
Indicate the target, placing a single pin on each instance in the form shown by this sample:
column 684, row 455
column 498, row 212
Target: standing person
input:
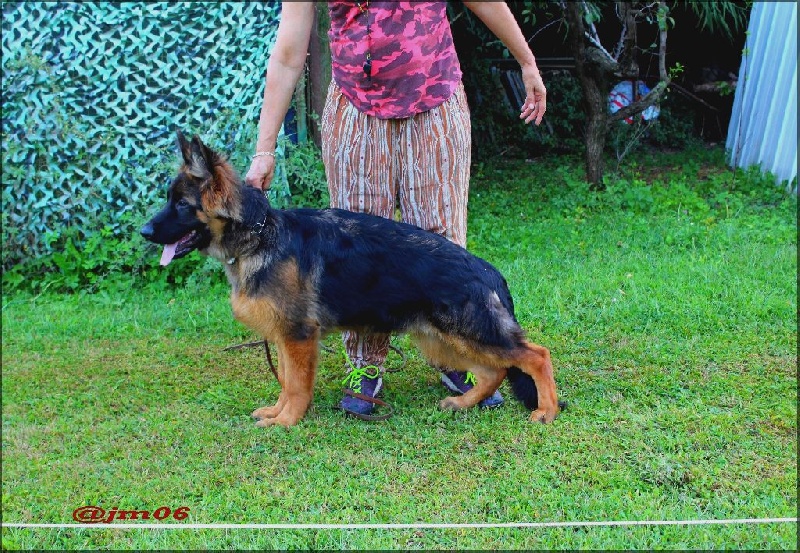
column 396, row 125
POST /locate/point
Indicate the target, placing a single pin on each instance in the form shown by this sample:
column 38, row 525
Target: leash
column 270, row 364
column 397, row 350
column 368, row 399
column 269, row 361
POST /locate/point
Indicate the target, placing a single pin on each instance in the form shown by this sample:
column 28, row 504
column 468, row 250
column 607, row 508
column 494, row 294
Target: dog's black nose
column 147, row 231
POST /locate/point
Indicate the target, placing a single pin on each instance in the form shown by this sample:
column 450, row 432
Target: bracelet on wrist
column 260, row 154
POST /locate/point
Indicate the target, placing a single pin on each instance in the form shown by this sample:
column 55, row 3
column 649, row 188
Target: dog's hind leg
column 456, row 354
column 534, row 360
column 272, row 411
column 299, row 359
column 487, row 381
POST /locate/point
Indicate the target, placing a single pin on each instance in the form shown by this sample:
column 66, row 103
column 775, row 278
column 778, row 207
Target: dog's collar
column 258, row 227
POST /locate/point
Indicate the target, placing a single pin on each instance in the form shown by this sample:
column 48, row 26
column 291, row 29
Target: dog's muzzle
column 148, row 232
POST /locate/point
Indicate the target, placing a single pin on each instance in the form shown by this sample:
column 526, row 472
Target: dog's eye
column 183, row 203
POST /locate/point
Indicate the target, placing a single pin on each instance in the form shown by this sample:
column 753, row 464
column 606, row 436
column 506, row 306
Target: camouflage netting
column 92, row 95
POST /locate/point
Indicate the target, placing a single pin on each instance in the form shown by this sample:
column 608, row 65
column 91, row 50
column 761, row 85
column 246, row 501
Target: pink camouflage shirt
column 414, row 66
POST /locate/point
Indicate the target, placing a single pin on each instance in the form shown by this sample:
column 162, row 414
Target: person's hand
column 536, row 101
column 261, row 172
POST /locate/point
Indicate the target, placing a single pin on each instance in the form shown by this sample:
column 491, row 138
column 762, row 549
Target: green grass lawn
column 669, row 305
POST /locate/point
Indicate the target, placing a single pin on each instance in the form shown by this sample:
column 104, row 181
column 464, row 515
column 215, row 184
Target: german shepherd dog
column 301, row 273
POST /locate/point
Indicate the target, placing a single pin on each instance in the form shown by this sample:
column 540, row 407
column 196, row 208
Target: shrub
column 305, row 174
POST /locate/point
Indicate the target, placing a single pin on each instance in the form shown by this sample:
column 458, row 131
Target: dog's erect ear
column 210, row 157
column 200, row 160
column 186, row 148
column 193, row 156
column 218, row 179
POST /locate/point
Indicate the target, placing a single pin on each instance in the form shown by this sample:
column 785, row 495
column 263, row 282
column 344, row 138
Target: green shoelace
column 470, row 379
column 353, row 378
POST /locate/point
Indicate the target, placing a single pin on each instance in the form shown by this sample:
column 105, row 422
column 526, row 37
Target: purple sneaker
column 460, row 383
column 365, row 381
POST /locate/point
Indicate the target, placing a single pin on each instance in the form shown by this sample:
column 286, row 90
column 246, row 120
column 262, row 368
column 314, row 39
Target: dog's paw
column 450, row 404
column 280, row 420
column 267, row 412
column 544, row 416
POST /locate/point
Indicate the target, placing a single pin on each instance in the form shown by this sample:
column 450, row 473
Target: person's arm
column 283, row 71
column 499, row 19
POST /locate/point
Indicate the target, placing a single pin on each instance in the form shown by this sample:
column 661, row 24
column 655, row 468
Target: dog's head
column 204, row 191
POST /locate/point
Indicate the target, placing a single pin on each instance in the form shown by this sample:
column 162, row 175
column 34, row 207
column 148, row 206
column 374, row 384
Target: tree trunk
column 595, row 68
column 596, row 128
column 594, row 97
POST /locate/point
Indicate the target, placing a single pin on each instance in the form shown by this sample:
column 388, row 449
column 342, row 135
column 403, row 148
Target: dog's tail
column 523, row 387
column 522, row 384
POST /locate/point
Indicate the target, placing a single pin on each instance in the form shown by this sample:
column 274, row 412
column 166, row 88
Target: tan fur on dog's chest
column 271, row 315
column 259, row 314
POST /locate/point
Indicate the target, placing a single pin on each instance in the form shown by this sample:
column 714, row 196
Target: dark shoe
column 365, row 381
column 461, row 383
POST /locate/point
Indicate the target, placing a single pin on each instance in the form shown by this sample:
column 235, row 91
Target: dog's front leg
column 299, row 359
column 272, row 411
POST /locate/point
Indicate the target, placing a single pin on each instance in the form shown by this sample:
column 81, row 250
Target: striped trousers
column 420, row 164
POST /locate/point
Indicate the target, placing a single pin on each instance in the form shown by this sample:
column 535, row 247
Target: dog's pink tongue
column 168, row 253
